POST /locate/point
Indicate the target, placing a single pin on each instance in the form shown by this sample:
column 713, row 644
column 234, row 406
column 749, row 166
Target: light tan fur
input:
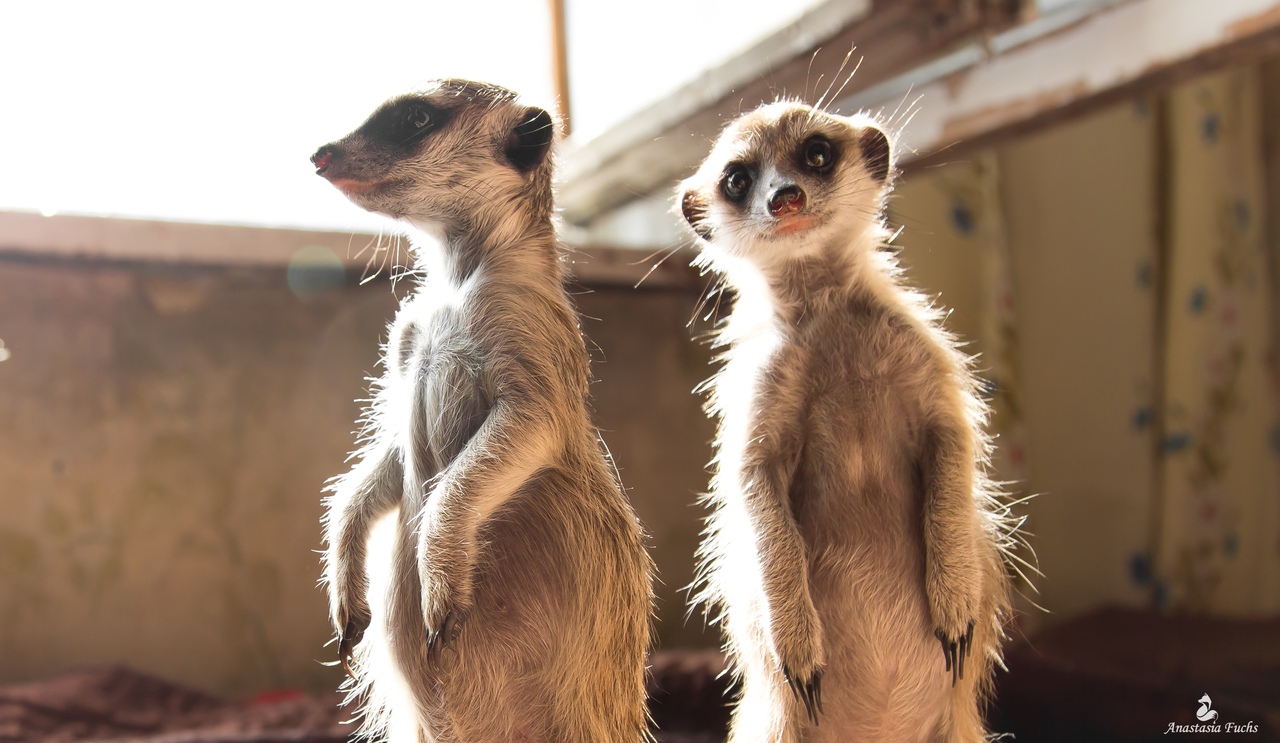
column 855, row 537
column 507, row 597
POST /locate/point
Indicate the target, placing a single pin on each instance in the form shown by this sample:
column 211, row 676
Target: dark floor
column 1115, row 676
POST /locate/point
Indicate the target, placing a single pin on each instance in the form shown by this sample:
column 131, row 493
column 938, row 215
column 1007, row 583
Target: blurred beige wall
column 167, row 432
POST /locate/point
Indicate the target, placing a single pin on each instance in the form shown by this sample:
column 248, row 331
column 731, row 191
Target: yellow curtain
column 1218, row 542
column 1111, row 275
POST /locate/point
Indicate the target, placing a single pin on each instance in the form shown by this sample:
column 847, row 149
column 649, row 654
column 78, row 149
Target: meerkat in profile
column 516, row 602
column 854, row 547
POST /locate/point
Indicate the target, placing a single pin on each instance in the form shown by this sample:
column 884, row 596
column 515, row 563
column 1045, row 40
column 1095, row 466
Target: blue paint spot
column 314, row 270
column 1160, row 595
column 1210, row 126
column 1142, row 417
column 1244, row 215
column 1176, row 442
column 1273, row 438
column 962, row 218
column 1141, row 107
column 1140, row 568
column 1231, row 545
column 1199, row 300
column 1145, row 275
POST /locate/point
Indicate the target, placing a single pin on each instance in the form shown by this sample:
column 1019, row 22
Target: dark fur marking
column 875, row 153
column 532, row 140
column 695, row 213
column 801, row 159
column 390, row 125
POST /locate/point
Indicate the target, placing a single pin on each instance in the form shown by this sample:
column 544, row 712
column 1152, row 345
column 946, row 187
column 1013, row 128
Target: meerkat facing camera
column 516, row 603
column 854, row 531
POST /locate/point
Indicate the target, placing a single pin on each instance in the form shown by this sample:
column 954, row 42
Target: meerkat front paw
column 807, row 690
column 446, row 604
column 449, row 627
column 350, row 616
column 799, row 649
column 349, row 636
column 955, row 598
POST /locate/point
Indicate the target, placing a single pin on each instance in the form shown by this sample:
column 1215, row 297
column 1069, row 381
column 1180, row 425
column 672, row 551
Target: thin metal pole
column 560, row 64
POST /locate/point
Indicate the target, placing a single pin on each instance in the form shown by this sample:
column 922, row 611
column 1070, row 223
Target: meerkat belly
column 858, row 503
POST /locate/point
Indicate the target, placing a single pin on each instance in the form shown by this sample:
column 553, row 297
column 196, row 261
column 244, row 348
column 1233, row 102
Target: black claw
column 956, row 652
column 435, row 641
column 347, row 641
column 815, row 695
column 445, row 636
column 808, row 692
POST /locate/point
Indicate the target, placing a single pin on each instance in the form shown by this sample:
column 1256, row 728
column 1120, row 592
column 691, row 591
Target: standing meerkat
column 854, row 546
column 515, row 602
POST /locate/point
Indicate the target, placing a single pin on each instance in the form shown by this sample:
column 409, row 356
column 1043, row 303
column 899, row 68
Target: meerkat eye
column 417, row 117
column 817, row 154
column 737, row 181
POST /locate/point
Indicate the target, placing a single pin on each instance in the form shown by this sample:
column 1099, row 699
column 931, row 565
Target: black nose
column 787, row 200
column 322, row 158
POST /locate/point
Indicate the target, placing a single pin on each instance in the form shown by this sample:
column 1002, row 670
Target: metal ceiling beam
column 1089, row 55
column 656, row 146
column 968, row 78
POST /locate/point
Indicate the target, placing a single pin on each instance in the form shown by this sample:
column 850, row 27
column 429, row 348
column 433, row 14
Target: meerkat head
column 787, row 181
column 445, row 155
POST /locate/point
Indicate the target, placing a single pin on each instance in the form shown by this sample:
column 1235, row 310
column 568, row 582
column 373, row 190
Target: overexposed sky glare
column 208, row 112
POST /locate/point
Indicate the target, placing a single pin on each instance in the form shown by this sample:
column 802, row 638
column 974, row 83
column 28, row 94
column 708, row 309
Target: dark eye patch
column 736, row 182
column 875, row 153
column 817, row 154
column 404, row 122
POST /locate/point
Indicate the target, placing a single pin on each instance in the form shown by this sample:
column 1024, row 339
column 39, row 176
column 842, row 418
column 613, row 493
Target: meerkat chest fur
column 436, row 354
column 860, row 374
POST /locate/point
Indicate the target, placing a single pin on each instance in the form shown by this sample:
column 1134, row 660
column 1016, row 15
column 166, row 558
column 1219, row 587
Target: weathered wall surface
column 165, row 434
column 646, row 367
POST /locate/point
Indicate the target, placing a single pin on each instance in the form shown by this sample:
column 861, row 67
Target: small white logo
column 1204, row 714
column 1208, row 717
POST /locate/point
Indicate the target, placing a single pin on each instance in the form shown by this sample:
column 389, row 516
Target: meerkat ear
column 694, row 210
column 531, row 139
column 875, row 152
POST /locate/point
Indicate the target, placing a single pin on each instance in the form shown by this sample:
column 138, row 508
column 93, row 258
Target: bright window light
column 209, row 112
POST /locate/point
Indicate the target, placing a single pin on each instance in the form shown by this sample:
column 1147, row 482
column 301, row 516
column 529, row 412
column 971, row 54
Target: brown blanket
column 123, row 705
